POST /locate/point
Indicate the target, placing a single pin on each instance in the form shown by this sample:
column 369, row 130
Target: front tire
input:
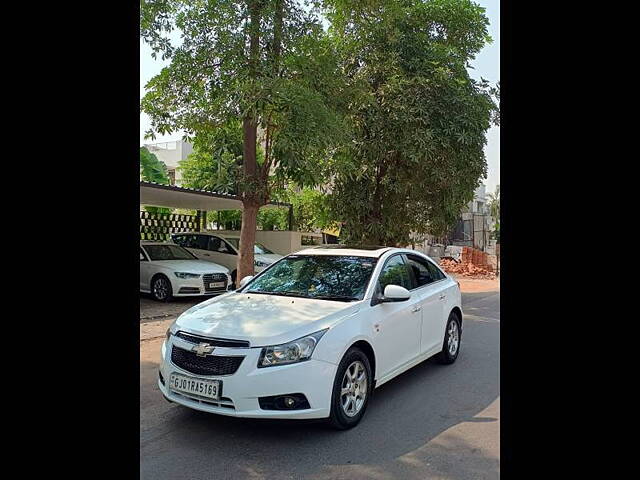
column 161, row 289
column 451, row 343
column 352, row 390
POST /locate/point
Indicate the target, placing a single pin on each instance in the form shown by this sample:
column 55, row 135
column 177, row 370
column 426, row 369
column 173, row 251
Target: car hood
column 191, row 266
column 267, row 257
column 262, row 319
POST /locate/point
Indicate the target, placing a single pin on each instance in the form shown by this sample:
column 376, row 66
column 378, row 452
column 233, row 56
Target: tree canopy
column 152, row 169
column 266, row 63
column 379, row 108
column 418, row 118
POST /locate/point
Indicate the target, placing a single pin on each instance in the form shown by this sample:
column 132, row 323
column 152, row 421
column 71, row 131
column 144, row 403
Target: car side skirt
column 410, row 364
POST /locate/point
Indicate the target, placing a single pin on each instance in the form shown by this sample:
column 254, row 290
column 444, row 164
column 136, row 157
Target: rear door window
column 186, row 240
column 421, row 270
column 200, row 242
column 179, row 239
column 436, row 273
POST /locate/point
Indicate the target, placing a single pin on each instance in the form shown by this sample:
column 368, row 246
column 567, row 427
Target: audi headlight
column 258, row 263
column 187, row 275
column 296, row 351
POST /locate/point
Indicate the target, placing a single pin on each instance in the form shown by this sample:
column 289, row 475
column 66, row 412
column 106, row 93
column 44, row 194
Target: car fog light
column 290, row 401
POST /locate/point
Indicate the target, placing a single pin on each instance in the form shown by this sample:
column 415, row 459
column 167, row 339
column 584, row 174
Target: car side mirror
column 141, row 257
column 395, row 293
column 245, row 280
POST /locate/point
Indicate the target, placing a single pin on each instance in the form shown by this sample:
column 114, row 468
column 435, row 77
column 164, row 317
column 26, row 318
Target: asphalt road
column 433, row 421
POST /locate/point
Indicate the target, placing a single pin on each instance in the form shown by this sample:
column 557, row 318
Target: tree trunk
column 250, row 194
column 250, row 204
column 247, row 238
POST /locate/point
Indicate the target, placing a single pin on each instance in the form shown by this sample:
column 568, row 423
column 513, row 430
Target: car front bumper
column 192, row 287
column 240, row 391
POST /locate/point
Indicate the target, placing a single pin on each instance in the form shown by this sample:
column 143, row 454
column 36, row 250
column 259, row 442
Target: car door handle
column 442, row 297
column 416, row 309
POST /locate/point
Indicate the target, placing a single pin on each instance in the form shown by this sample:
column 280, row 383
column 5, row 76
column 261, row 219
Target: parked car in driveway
column 223, row 250
column 313, row 335
column 168, row 270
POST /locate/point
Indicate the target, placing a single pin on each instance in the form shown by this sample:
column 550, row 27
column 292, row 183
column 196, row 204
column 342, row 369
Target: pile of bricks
column 474, row 263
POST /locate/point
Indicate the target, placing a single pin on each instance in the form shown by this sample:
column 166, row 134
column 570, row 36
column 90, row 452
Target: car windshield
column 168, row 252
column 258, row 247
column 326, row 277
column 261, row 249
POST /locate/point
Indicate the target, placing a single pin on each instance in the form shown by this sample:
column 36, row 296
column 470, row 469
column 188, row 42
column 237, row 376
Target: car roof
column 199, row 233
column 154, row 242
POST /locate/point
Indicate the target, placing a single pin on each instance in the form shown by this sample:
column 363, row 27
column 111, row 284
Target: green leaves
column 380, row 109
column 152, row 169
column 419, row 120
column 292, row 87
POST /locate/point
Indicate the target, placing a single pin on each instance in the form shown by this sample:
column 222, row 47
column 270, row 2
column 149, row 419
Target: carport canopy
column 158, row 195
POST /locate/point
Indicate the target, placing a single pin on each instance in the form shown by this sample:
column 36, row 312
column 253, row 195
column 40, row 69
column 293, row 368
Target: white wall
column 171, row 153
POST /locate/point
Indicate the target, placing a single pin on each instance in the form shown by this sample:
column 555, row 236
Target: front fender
column 335, row 343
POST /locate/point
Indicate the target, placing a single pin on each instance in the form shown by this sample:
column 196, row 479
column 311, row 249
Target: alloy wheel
column 161, row 288
column 353, row 391
column 453, row 338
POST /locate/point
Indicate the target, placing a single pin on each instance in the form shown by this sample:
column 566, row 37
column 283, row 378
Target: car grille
column 214, row 277
column 215, row 342
column 223, row 403
column 208, row 365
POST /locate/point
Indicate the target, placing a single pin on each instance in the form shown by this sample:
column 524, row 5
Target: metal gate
column 472, row 230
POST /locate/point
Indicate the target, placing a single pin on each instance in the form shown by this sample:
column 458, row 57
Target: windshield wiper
column 345, row 298
column 282, row 294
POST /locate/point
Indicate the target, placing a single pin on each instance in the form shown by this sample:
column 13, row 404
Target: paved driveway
column 434, row 421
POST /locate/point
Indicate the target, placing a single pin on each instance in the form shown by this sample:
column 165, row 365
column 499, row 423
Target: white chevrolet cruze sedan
column 313, row 335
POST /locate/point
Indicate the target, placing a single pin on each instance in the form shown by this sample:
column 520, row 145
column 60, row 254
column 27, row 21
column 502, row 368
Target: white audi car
column 223, row 250
column 312, row 335
column 168, row 270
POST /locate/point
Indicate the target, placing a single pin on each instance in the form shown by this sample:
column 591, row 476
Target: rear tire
column 452, row 341
column 352, row 390
column 161, row 289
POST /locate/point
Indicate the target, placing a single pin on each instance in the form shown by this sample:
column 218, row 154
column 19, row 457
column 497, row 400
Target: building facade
column 171, row 154
column 479, row 203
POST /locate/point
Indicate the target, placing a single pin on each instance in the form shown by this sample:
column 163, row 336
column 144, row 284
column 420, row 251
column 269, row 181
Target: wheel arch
column 156, row 275
column 367, row 349
column 458, row 312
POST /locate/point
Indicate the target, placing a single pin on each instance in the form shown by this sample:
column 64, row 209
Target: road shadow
column 151, row 309
column 403, row 416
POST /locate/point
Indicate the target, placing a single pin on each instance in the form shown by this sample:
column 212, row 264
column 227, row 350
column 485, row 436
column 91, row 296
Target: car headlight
column 258, row 263
column 187, row 275
column 296, row 351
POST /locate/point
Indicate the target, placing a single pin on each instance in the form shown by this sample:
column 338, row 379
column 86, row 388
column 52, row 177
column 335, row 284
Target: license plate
column 195, row 386
column 216, row 285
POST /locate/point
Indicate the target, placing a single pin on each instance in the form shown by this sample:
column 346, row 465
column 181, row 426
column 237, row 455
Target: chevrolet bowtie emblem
column 202, row 349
